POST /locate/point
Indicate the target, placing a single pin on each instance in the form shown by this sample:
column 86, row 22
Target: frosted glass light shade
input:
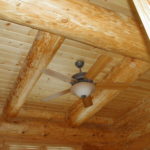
column 83, row 89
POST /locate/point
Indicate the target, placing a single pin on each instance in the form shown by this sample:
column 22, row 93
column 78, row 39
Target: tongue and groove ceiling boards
column 54, row 34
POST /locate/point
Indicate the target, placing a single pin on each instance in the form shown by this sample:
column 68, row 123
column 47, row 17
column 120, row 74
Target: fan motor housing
column 80, row 77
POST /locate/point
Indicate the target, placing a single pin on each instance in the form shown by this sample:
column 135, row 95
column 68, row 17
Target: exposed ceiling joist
column 41, row 53
column 127, row 72
column 45, row 115
column 102, row 28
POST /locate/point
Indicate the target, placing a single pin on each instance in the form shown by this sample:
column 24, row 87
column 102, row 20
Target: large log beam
column 56, row 132
column 43, row 49
column 33, row 113
column 80, row 21
column 127, row 72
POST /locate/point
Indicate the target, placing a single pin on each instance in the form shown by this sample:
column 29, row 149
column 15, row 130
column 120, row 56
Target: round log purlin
column 80, row 21
column 56, row 132
column 41, row 53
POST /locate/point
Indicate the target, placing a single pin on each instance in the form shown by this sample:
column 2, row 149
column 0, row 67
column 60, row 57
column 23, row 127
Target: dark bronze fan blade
column 57, row 75
column 87, row 101
column 56, row 95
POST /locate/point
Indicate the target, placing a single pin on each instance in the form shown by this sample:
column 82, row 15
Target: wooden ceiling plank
column 102, row 28
column 41, row 53
column 127, row 72
column 138, row 112
column 135, row 123
column 140, row 143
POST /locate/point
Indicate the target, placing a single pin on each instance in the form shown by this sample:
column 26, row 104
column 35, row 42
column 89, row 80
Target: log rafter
column 41, row 53
column 102, row 28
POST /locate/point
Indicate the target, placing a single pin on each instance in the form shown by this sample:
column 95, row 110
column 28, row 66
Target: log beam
column 127, row 72
column 41, row 53
column 55, row 132
column 33, row 113
column 102, row 28
column 101, row 62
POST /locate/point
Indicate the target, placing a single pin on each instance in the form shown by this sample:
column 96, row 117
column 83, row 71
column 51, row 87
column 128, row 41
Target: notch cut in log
column 41, row 53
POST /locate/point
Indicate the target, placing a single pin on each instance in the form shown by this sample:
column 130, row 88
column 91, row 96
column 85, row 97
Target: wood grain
column 127, row 109
column 102, row 28
column 101, row 62
column 41, row 53
column 98, row 66
column 141, row 143
column 55, row 132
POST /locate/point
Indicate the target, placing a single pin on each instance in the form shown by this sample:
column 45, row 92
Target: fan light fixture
column 83, row 89
column 81, row 85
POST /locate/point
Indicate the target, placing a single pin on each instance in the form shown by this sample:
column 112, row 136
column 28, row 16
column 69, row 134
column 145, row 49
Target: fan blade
column 57, row 75
column 87, row 102
column 56, row 95
column 115, row 86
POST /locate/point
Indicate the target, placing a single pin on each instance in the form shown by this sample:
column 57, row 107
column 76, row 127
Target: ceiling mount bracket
column 79, row 64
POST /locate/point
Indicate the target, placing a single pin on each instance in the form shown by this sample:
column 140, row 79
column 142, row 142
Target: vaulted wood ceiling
column 122, row 115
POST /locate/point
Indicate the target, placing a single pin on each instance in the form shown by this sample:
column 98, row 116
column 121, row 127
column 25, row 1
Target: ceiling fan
column 81, row 86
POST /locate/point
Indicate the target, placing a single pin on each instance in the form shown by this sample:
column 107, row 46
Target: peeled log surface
column 56, row 132
column 127, row 72
column 42, row 51
column 80, row 21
